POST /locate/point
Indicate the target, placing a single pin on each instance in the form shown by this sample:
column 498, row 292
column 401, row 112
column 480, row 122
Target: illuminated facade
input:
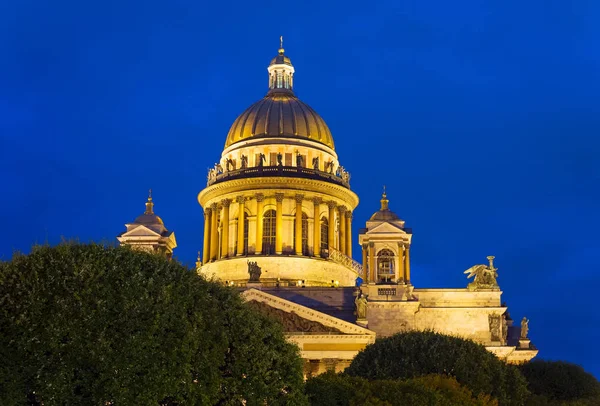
column 279, row 200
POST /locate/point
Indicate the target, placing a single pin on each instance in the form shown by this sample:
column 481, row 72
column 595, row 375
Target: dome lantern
column 281, row 72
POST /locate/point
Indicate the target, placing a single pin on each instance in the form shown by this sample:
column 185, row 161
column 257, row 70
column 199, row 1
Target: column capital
column 207, row 210
column 371, row 245
column 279, row 197
column 240, row 199
column 342, row 209
column 365, row 245
column 348, row 214
column 214, row 206
column 225, row 202
column 317, row 200
column 332, row 204
column 299, row 198
column 260, row 197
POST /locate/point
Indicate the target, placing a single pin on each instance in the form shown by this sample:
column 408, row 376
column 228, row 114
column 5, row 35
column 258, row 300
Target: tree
column 86, row 324
column 415, row 354
column 558, row 382
column 343, row 390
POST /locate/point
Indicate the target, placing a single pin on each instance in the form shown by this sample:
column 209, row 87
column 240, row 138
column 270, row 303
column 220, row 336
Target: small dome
column 281, row 59
column 384, row 213
column 280, row 114
column 149, row 219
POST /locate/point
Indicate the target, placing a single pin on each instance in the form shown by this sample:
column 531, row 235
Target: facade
column 278, row 226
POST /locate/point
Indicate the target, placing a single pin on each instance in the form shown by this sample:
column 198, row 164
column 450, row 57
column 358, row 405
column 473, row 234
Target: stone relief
column 291, row 321
column 495, row 321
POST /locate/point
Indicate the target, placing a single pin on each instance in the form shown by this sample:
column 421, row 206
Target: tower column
column 407, row 263
column 342, row 236
column 279, row 223
column 331, row 228
column 401, row 270
column 259, row 220
column 349, row 233
column 317, row 227
column 240, row 230
column 371, row 262
column 298, row 242
column 214, row 237
column 206, row 246
column 225, row 228
column 365, row 265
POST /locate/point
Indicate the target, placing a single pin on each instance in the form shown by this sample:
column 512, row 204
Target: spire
column 384, row 200
column 281, row 72
column 149, row 204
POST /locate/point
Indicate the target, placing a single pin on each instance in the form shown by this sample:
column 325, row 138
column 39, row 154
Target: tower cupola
column 281, row 72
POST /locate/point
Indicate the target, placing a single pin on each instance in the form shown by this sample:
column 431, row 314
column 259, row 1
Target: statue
column 230, row 164
column 212, row 176
column 329, row 167
column 218, row 168
column 361, row 306
column 524, row 328
column 299, row 163
column 315, row 163
column 254, row 271
column 244, row 161
column 408, row 292
column 261, row 159
column 484, row 276
column 279, row 159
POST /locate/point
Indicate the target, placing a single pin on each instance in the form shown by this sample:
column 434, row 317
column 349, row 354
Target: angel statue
column 484, row 276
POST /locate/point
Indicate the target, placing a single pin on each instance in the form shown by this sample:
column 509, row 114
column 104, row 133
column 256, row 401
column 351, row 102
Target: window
column 304, row 234
column 385, row 265
column 269, row 232
column 288, row 159
column 324, row 235
column 273, row 159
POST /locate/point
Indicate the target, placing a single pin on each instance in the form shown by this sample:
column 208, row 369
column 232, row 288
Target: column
column 259, row 222
column 349, row 233
column 298, row 242
column 279, row 223
column 240, row 230
column 407, row 262
column 214, row 237
column 225, row 228
column 317, row 227
column 206, row 246
column 365, row 264
column 371, row 262
column 401, row 272
column 342, row 237
column 331, row 220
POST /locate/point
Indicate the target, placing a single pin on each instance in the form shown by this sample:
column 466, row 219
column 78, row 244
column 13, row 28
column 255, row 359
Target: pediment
column 298, row 318
column 386, row 228
column 140, row 231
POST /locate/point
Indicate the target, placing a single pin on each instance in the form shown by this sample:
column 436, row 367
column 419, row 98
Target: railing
column 342, row 259
column 268, row 171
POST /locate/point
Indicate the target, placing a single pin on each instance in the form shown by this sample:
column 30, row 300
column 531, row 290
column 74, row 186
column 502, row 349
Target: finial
column 149, row 204
column 281, row 45
column 491, row 259
column 384, row 200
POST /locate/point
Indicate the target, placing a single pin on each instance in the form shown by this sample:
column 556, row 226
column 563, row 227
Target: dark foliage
column 559, row 382
column 343, row 390
column 415, row 354
column 85, row 324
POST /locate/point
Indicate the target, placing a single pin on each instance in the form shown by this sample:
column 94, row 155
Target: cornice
column 283, row 184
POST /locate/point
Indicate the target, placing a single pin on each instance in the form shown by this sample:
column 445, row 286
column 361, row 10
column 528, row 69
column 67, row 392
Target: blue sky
column 482, row 120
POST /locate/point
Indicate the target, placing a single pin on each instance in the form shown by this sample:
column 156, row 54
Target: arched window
column 304, row 234
column 324, row 236
column 385, row 265
column 269, row 232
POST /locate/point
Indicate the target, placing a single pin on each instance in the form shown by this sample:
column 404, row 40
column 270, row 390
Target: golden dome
column 280, row 114
column 384, row 213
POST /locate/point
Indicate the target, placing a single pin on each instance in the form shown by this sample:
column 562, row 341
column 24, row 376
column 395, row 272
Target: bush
column 85, row 324
column 415, row 354
column 343, row 390
column 557, row 381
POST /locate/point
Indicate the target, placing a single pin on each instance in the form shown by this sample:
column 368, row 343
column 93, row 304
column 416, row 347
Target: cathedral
column 278, row 226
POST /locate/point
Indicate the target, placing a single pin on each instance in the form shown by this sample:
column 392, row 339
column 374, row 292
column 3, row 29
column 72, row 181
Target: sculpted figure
column 279, row 159
column 261, row 159
column 484, row 276
column 408, row 292
column 329, row 167
column 230, row 164
column 254, row 271
column 244, row 161
column 218, row 168
column 361, row 306
column 315, row 163
column 504, row 329
column 524, row 327
column 298, row 160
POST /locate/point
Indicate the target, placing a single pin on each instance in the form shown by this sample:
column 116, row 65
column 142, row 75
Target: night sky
column 482, row 118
